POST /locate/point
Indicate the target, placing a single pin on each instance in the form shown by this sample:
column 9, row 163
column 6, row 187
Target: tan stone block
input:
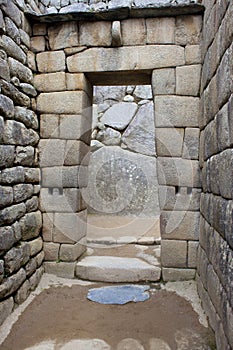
column 137, row 27
column 60, row 269
column 78, row 82
column 178, row 172
column 31, row 60
column 188, row 80
column 169, row 141
column 61, row 200
column 69, row 227
column 75, row 127
column 52, row 152
column 164, row 81
column 71, row 252
column 65, row 176
column 51, row 251
column 67, row 102
column 47, row 228
column 51, row 61
column 193, row 54
column 188, row 30
column 192, row 254
column 179, row 225
column 191, row 143
column 173, row 274
column 77, row 152
column 39, row 29
column 173, row 253
column 126, row 58
column 50, row 82
column 160, row 30
column 49, row 126
column 38, row 44
column 176, row 111
column 63, row 35
column 35, row 246
column 96, row 33
column 181, row 200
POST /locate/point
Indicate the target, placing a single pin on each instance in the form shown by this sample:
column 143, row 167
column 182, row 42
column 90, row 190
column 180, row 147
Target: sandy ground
column 60, row 312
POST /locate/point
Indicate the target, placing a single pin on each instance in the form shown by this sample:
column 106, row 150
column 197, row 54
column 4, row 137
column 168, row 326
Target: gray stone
column 6, row 196
column 109, row 137
column 6, row 307
column 2, row 24
column 76, row 7
column 96, row 33
column 143, row 92
column 22, row 192
column 67, row 201
column 61, row 269
column 22, row 293
column 32, row 204
column 69, row 227
column 12, row 175
column 20, row 71
column 140, row 134
column 30, row 225
column 12, row 11
column 225, row 174
column 28, row 89
column 25, row 155
column 6, row 106
column 84, row 344
column 12, row 283
column 119, row 115
column 1, row 270
column 71, row 252
column 6, row 156
column 35, row 278
column 178, row 274
column 12, row 30
column 35, row 246
column 63, row 35
column 72, row 176
column 16, row 257
column 169, row 142
column 173, row 253
column 27, row 117
column 158, row 344
column 12, row 49
column 17, row 134
column 164, row 81
column 116, row 34
column 32, row 175
column 11, row 91
column 4, row 69
column 10, row 214
column 31, row 266
column 7, row 238
column 51, row 251
column 191, row 143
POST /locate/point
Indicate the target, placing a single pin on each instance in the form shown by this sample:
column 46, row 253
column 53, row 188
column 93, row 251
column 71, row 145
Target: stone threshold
column 121, row 13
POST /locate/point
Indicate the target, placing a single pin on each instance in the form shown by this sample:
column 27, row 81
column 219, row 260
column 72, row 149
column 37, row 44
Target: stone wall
column 21, row 252
column 215, row 255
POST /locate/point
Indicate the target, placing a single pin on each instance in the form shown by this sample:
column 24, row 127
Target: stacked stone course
column 21, row 252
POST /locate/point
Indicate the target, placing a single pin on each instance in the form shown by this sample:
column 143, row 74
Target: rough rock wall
column 123, row 152
column 21, row 252
column 215, row 257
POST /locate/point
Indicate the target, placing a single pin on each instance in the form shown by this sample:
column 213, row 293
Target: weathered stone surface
column 188, row 80
column 179, row 225
column 51, row 251
column 143, row 92
column 4, row 69
column 7, row 238
column 27, row 117
column 225, row 174
column 12, row 283
column 37, row 44
column 163, row 81
column 223, row 128
column 109, row 136
column 32, row 204
column 183, row 200
column 51, row 61
column 126, row 58
column 188, row 30
column 22, row 192
column 49, row 126
column 30, row 225
column 76, row 152
column 35, row 246
column 95, row 33
column 6, row 106
column 12, row 175
column 25, row 155
column 71, row 252
column 74, row 127
column 119, row 115
column 129, row 344
column 176, row 111
column 6, row 156
column 174, row 274
column 158, row 344
column 32, row 175
column 63, row 35
column 22, row 293
column 1, row 270
column 169, row 142
column 191, row 143
column 67, row 102
column 12, row 92
column 35, row 278
column 140, row 134
column 10, row 214
column 52, row 152
column 6, row 196
column 61, row 269
column 24, row 37
column 116, row 34
column 193, row 54
column 72, row 176
column 16, row 257
column 50, row 82
column 28, row 89
column 173, row 253
column 12, row 49
column 16, row 134
column 138, row 27
column 12, row 11
column 20, row 71
column 6, row 308
column 69, row 227
column 160, row 30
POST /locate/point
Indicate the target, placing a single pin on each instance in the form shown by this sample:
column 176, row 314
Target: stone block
column 51, row 251
column 169, row 142
column 181, row 200
column 75, row 127
column 179, row 225
column 69, row 227
column 19, row 98
column 224, row 78
column 6, row 196
column 22, row 293
column 126, row 58
column 50, row 82
column 225, row 174
column 48, row 62
column 39, row 258
column 176, row 111
column 192, row 254
column 25, row 155
column 6, row 106
column 22, row 192
column 4, row 70
column 1, row 270
column 49, row 126
column 160, row 30
column 35, row 278
column 137, row 26
column 31, row 225
column 7, row 238
column 67, row 102
column 188, row 80
column 30, row 267
column 178, row 172
column 193, row 54
column 60, row 269
column 6, row 307
column 35, row 246
column 67, row 201
column 174, row 275
column 12, row 11
column 12, row 49
column 76, row 152
column 11, row 214
column 223, row 128
column 32, row 175
column 72, row 176
column 188, row 30
column 38, row 44
column 17, row 134
column 173, row 253
column 39, row 29
column 96, row 33
column 27, row 117
column 71, row 252
column 191, row 143
column 164, row 81
column 22, row 72
column 12, row 283
column 52, row 152
column 119, row 115
column 16, row 257
column 63, row 35
column 6, row 156
column 78, row 82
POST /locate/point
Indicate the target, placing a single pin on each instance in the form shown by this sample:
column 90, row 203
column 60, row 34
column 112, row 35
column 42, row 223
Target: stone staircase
column 121, row 250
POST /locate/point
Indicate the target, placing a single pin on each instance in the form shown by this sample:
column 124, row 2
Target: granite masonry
column 52, row 54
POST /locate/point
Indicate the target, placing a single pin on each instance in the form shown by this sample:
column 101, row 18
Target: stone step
column 116, row 269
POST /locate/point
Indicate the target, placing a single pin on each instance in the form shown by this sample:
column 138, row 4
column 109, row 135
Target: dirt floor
column 64, row 313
